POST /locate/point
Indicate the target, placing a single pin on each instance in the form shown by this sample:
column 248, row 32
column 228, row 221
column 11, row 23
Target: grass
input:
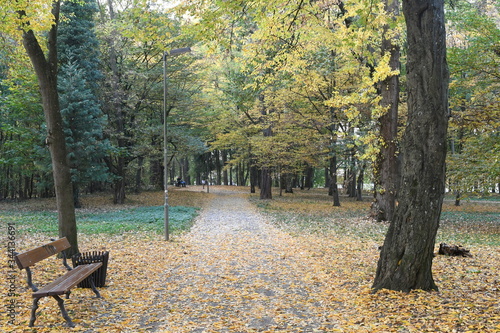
column 472, row 223
column 145, row 219
column 141, row 213
column 475, row 222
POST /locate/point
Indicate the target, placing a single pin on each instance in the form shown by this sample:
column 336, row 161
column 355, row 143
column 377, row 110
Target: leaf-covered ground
column 286, row 267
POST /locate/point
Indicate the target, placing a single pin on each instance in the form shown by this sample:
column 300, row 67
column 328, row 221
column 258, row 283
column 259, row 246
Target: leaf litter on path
column 236, row 272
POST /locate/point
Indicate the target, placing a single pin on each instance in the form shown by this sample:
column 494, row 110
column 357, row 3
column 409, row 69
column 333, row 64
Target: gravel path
column 240, row 274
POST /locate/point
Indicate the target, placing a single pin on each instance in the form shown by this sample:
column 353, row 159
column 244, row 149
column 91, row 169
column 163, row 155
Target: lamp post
column 173, row 52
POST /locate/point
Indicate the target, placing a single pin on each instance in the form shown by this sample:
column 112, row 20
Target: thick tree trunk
column 265, row 184
column 309, row 178
column 406, row 258
column 46, row 72
column 386, row 164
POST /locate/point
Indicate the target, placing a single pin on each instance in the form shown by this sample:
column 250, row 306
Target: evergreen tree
column 78, row 86
column 83, row 127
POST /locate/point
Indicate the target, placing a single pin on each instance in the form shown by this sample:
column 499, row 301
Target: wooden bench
column 61, row 285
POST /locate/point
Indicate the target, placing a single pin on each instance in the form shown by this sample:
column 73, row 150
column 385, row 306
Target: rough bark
column 46, row 72
column 333, row 181
column 386, row 164
column 265, row 184
column 406, row 257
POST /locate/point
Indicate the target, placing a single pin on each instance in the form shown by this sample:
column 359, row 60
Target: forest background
column 296, row 93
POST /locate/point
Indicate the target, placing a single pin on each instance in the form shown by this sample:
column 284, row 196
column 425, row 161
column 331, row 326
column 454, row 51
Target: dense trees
column 323, row 76
column 474, row 56
column 295, row 94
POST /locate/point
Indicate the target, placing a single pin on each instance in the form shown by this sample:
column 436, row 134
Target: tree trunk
column 385, row 168
column 138, row 174
column 225, row 178
column 241, row 174
column 266, row 179
column 254, row 178
column 309, row 178
column 406, row 258
column 187, row 176
column 156, row 173
column 359, row 187
column 327, row 178
column 333, row 181
column 218, row 167
column 288, row 182
column 117, row 100
column 265, row 184
column 119, row 183
column 46, row 72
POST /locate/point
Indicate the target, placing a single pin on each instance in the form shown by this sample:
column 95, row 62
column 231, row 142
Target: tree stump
column 453, row 250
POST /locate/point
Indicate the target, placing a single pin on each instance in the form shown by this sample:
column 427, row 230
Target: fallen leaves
column 237, row 272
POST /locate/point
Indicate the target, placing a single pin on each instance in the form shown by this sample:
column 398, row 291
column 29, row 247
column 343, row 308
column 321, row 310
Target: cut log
column 453, row 250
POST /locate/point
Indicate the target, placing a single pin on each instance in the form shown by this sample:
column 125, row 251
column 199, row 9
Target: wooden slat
column 64, row 283
column 29, row 258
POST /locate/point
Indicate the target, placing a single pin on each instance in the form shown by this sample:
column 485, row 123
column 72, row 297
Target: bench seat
column 66, row 282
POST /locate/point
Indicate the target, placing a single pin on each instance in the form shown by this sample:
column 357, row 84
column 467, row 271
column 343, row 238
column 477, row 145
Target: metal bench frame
column 61, row 285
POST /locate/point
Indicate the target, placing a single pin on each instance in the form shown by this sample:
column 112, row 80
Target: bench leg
column 33, row 311
column 65, row 315
column 94, row 289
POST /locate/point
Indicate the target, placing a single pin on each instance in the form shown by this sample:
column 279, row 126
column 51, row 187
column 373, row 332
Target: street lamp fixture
column 173, row 52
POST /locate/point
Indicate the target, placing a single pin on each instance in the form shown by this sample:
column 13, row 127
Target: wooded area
column 295, row 94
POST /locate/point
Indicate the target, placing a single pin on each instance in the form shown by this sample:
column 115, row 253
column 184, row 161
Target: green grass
column 475, row 223
column 145, row 219
column 477, row 227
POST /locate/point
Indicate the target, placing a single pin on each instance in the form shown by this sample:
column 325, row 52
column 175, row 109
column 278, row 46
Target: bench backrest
column 29, row 258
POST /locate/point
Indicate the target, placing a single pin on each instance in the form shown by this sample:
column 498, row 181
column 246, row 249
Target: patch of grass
column 141, row 212
column 146, row 219
column 472, row 223
column 310, row 212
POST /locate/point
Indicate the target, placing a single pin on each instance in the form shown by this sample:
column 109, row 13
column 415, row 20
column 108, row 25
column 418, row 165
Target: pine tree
column 78, row 86
column 83, row 127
